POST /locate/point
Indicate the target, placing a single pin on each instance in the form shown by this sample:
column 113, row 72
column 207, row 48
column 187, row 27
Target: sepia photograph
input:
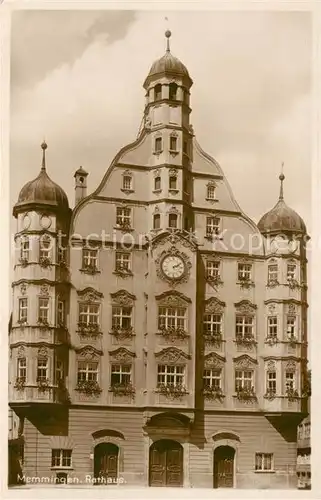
column 160, row 239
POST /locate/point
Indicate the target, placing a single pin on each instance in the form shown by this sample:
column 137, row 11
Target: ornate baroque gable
column 214, row 306
column 89, row 295
column 177, row 237
column 244, row 362
column 122, row 355
column 245, row 307
column 89, row 353
column 172, row 355
column 172, row 299
column 123, row 298
column 213, row 360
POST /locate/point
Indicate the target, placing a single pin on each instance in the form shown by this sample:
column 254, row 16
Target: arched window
column 156, row 221
column 158, row 92
column 157, row 183
column 173, row 91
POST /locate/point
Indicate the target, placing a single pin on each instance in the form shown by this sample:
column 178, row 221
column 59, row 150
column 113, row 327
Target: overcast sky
column 76, row 80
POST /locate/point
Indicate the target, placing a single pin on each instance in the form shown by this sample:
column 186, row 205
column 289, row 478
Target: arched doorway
column 166, row 463
column 106, row 463
column 223, row 474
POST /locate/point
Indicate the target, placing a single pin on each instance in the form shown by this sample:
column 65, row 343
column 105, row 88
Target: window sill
column 211, row 199
column 127, row 229
column 173, row 152
column 156, row 191
column 127, row 191
column 264, row 471
column 89, row 271
column 157, row 153
column 173, row 191
column 63, row 468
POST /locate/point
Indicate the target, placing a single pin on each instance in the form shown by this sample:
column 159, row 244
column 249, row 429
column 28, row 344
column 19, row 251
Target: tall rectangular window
column 212, row 378
column 213, row 268
column 22, row 368
column 158, row 145
column 244, row 326
column 23, row 310
column 60, row 458
column 89, row 314
column 171, row 317
column 59, row 370
column 127, row 182
column 212, row 324
column 272, row 327
column 170, row 375
column 89, row 258
column 212, row 226
column 43, row 310
column 211, row 192
column 61, row 313
column 122, row 261
column 289, row 380
column 87, row 371
column 123, row 217
column 291, row 326
column 121, row 317
column 291, row 271
column 173, row 182
column 156, row 221
column 157, row 183
column 24, row 249
column 158, row 92
column 173, row 143
column 273, row 272
column 44, row 248
column 172, row 221
column 264, row 461
column 120, row 374
column 42, row 369
column 243, row 379
column 244, row 272
column 271, row 382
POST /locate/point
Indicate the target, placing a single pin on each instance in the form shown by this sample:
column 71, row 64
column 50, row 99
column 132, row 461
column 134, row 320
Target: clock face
column 173, row 267
column 45, row 221
column 26, row 221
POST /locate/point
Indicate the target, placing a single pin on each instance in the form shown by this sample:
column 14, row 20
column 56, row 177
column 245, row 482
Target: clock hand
column 176, row 265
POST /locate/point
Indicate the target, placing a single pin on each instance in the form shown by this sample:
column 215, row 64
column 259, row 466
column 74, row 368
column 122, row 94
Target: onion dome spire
column 281, row 177
column 44, row 146
column 168, row 34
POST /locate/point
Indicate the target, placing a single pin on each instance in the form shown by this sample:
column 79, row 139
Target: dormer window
column 173, row 143
column 158, row 145
column 173, row 91
column 157, row 183
column 158, row 92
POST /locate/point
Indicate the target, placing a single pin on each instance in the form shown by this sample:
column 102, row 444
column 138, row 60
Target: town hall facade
column 158, row 336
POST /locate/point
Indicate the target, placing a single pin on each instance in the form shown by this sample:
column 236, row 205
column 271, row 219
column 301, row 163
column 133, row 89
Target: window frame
column 22, row 370
column 262, row 457
column 177, row 372
column 244, row 271
column 213, row 226
column 121, row 262
column 214, row 375
column 124, row 217
column 23, row 310
column 90, row 369
column 58, row 464
column 120, row 315
column 42, row 369
column 124, row 370
column 89, row 314
column 43, row 317
column 89, row 258
column 272, row 327
column 211, row 192
column 244, row 379
column 167, row 321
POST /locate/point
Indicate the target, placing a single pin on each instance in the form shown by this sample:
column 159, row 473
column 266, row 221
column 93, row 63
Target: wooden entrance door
column 166, row 464
column 224, row 467
column 106, row 462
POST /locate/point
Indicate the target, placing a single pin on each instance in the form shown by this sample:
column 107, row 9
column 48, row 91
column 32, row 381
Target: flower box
column 45, row 262
column 23, row 262
column 20, row 383
column 89, row 387
column 292, row 394
column 293, row 284
column 42, row 322
column 213, row 393
column 43, row 384
column 214, row 280
column 122, row 333
column 172, row 391
column 90, row 329
column 270, row 394
column 271, row 340
column 246, row 394
column 90, row 269
column 172, row 332
column 124, row 225
column 245, row 282
column 212, row 339
column 122, row 390
column 272, row 283
column 246, row 340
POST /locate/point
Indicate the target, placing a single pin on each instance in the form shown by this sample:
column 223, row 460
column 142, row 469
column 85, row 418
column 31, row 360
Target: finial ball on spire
column 44, row 146
column 168, row 33
column 281, row 177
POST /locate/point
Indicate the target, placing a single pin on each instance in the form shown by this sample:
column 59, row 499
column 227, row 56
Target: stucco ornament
column 173, row 266
column 172, row 355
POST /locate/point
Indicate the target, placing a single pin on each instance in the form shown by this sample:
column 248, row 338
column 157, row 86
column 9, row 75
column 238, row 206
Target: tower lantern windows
column 173, row 91
column 158, row 92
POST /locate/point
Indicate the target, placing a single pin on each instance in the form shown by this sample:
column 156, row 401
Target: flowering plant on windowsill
column 122, row 389
column 270, row 394
column 293, row 341
column 89, row 387
column 43, row 383
column 292, row 394
column 122, row 271
column 246, row 394
column 213, row 393
column 24, row 262
column 214, row 339
column 272, row 283
column 246, row 340
column 43, row 322
column 20, row 383
column 22, row 321
column 172, row 331
column 293, row 283
column 271, row 340
column 122, row 332
column 88, row 328
column 45, row 262
column 90, row 269
column 62, row 263
column 172, row 391
column 124, row 225
column 245, row 282
column 214, row 279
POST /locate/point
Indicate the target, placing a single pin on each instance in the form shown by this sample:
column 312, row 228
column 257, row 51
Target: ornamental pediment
column 172, row 299
column 123, row 298
column 88, row 353
column 214, row 305
column 122, row 355
column 183, row 238
column 89, row 294
column 245, row 307
column 244, row 362
column 172, row 355
column 213, row 360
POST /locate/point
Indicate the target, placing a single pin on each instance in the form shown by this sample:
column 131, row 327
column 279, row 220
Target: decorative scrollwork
column 172, row 355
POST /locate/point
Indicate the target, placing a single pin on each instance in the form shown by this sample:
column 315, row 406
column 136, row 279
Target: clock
column 45, row 221
column 173, row 267
column 26, row 222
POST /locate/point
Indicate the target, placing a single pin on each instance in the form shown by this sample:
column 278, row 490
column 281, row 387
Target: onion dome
column 168, row 64
column 281, row 218
column 41, row 192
